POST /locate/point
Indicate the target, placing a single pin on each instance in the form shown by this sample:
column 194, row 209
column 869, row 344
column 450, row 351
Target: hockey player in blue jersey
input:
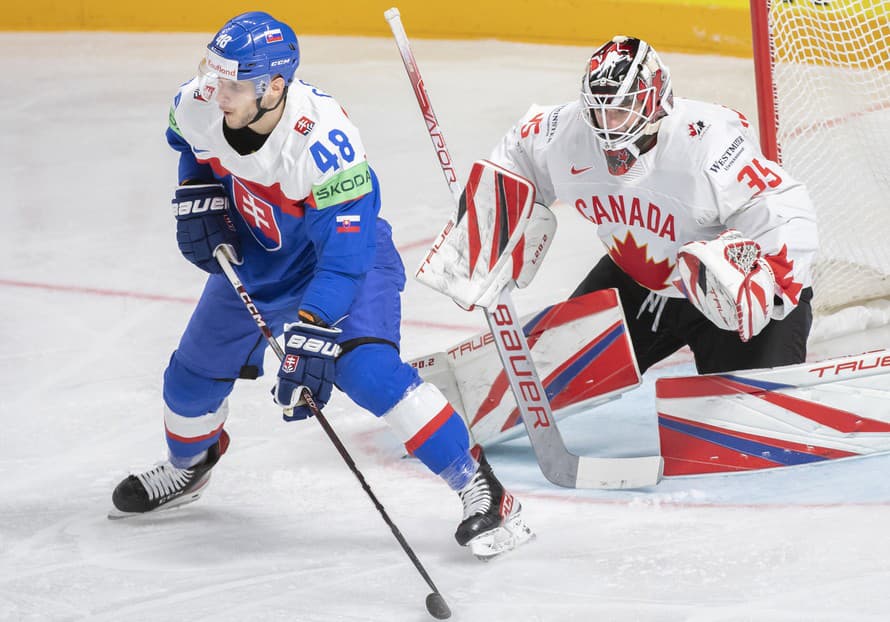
column 273, row 168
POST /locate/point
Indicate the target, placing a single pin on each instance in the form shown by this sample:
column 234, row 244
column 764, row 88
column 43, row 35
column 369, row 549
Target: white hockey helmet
column 625, row 92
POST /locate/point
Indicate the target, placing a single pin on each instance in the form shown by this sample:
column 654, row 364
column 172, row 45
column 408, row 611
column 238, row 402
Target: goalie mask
column 625, row 92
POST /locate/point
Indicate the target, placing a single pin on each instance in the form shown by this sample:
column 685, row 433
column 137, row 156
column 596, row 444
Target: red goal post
column 822, row 70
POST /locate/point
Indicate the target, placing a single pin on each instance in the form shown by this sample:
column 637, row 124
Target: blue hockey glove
column 203, row 224
column 309, row 354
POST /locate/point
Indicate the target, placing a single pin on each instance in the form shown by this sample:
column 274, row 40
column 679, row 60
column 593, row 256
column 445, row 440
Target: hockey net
column 823, row 90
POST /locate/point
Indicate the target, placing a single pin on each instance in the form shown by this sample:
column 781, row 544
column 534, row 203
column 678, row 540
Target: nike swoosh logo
column 196, row 150
column 578, row 171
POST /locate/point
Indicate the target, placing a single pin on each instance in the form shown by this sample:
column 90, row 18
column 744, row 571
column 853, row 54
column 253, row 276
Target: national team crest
column 290, row 363
column 697, row 128
column 635, row 261
column 258, row 215
column 205, row 93
column 304, row 125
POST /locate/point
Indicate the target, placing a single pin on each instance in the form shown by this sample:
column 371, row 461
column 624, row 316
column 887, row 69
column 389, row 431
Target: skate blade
column 511, row 535
column 116, row 514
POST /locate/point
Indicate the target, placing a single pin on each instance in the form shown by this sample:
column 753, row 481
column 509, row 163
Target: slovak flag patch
column 348, row 223
column 273, row 36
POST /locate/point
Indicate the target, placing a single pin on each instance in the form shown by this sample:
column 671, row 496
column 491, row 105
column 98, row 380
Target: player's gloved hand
column 309, row 354
column 203, row 224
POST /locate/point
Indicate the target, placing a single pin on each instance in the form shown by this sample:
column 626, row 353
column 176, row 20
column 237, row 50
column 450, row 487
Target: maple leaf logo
column 635, row 261
column 782, row 268
column 697, row 128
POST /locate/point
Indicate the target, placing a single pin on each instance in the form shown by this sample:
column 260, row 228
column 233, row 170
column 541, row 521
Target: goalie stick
column 557, row 463
column 435, row 603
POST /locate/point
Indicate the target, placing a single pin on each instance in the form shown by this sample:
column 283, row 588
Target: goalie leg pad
column 773, row 417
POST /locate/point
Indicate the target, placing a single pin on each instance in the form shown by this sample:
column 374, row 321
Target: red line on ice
column 116, row 293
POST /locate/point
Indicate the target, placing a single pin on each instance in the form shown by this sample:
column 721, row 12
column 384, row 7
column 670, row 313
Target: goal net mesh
column 831, row 82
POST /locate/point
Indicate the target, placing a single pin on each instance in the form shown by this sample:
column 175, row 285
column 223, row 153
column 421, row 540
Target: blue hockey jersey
column 307, row 201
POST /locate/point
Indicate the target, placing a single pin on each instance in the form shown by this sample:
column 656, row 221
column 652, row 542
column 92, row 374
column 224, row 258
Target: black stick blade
column 437, row 606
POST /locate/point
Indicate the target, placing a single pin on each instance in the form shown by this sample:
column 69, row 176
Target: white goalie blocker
column 497, row 236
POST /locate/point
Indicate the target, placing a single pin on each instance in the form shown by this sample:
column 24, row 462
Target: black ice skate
column 165, row 486
column 492, row 524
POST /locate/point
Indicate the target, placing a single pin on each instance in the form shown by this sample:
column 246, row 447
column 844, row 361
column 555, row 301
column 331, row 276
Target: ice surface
column 95, row 295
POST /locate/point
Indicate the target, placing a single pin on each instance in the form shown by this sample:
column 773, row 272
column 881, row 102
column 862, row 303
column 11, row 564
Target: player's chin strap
column 261, row 111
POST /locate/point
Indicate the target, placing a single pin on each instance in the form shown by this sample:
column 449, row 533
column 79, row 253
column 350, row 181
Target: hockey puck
column 437, row 606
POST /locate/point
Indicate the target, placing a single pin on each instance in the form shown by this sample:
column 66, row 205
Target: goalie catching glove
column 309, row 355
column 729, row 281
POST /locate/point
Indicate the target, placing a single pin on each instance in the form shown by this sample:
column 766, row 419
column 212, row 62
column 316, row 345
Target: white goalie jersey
column 705, row 175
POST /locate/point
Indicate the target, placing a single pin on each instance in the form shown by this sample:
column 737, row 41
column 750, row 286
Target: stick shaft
column 223, row 260
column 423, row 100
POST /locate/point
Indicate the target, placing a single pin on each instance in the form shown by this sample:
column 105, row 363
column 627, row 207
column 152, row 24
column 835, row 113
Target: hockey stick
column 435, row 603
column 557, row 463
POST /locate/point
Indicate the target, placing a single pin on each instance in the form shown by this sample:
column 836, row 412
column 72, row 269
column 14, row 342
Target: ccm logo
column 200, row 206
column 313, row 345
column 252, row 308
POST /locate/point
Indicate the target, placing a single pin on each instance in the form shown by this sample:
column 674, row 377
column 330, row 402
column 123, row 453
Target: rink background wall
column 701, row 26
